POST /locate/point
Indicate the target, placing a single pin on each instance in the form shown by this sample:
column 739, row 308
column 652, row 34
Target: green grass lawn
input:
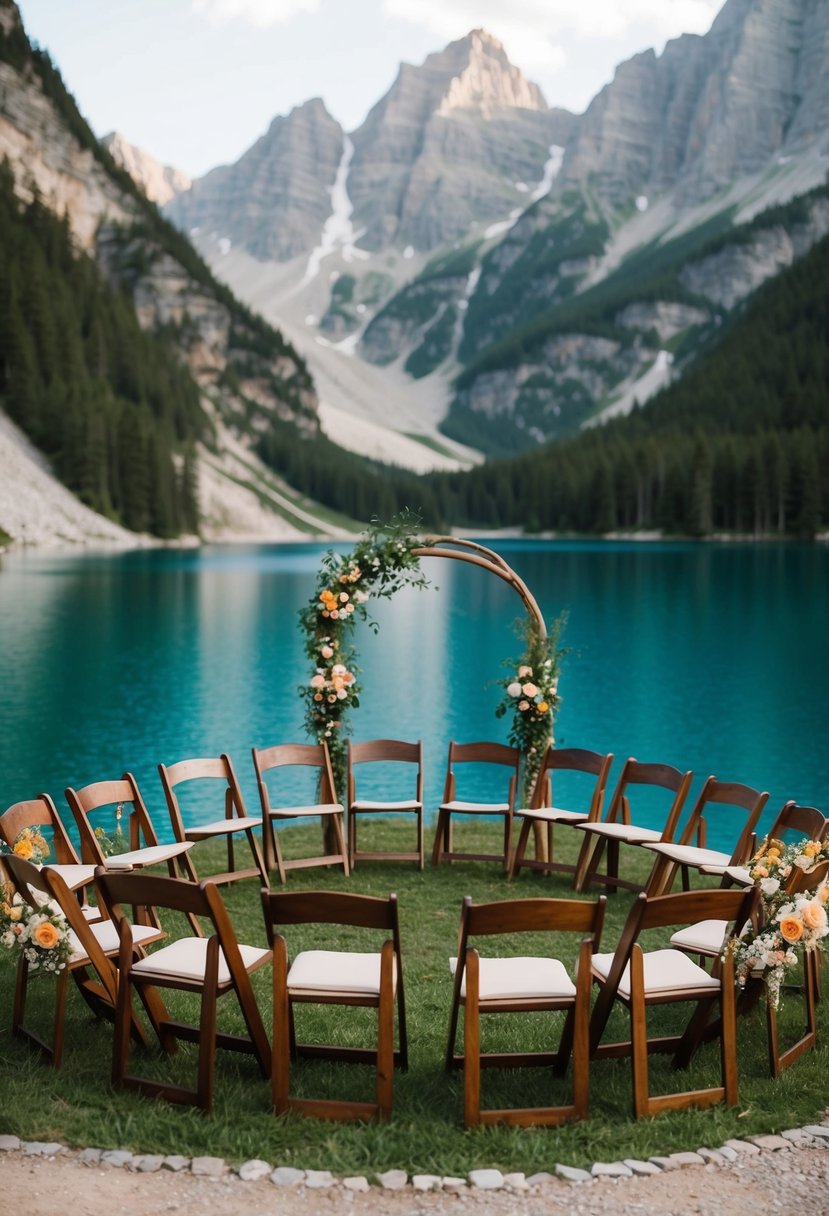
column 77, row 1105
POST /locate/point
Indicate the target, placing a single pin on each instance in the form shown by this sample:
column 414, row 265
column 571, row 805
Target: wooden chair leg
column 340, row 838
column 583, row 862
column 728, row 1042
column 20, row 987
column 207, row 1027
column 61, row 988
column 579, row 1022
column 421, row 843
column 352, row 838
column 277, row 856
column 385, row 1034
column 123, row 1012
column 439, row 844
column 282, row 1029
column 520, row 849
column 507, row 842
column 257, row 855
column 471, row 1045
column 638, row 1035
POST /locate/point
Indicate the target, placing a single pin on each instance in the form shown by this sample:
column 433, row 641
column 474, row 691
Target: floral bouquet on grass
column 28, row 844
column 531, row 696
column 39, row 935
column 788, row 924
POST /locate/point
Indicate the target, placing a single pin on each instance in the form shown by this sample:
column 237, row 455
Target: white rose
column 514, row 689
column 770, row 886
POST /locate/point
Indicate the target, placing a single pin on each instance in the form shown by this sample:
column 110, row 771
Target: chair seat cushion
column 690, row 855
column 186, row 959
column 301, row 812
column 665, row 971
column 628, row 833
column 366, row 805
column 519, row 979
column 738, row 874
column 327, row 971
column 705, row 937
column 476, row 808
column 552, row 814
column 222, row 827
column 153, row 855
column 106, row 935
column 73, row 875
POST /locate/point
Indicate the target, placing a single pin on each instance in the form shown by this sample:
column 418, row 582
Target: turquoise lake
column 709, row 657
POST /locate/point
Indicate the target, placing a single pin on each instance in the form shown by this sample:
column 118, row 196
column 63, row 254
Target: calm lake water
column 708, row 657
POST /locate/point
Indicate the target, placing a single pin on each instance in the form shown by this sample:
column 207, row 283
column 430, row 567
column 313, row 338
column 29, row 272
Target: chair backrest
column 138, row 889
column 39, row 812
column 530, row 916
column 330, row 908
column 481, row 753
column 213, row 769
column 731, row 794
column 572, row 760
column 799, row 881
column 662, row 776
column 34, row 885
column 383, row 751
column 100, row 794
column 803, row 820
column 284, row 755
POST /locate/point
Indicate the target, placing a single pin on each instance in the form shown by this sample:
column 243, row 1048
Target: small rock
column 537, row 1179
column 641, row 1167
column 516, row 1182
column 116, row 1157
column 568, row 1172
column 208, row 1167
column 664, row 1163
column 486, row 1180
column 252, row 1171
column 317, row 1180
column 453, row 1184
column 42, row 1148
column 726, row 1151
column 8, row 1144
column 356, row 1184
column 175, row 1163
column 817, row 1130
column 685, row 1159
column 742, row 1146
column 426, row 1182
column 711, row 1156
column 286, row 1175
column 610, row 1169
column 770, row 1143
column 91, row 1156
column 796, row 1135
column 393, row 1180
column 149, row 1163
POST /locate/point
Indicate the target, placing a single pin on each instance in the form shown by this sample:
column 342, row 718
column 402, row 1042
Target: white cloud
column 549, row 19
column 259, row 13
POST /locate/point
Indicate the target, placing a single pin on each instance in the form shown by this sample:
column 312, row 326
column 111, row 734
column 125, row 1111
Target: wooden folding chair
column 617, row 828
column 641, row 979
column 523, row 985
column 210, row 966
column 144, row 848
column 93, row 945
column 543, row 814
column 236, row 818
column 336, row 977
column 507, row 761
column 41, row 812
column 384, row 752
column 685, row 856
column 313, row 756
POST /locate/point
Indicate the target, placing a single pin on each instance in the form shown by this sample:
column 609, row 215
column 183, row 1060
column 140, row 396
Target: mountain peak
column 481, row 77
column 159, row 182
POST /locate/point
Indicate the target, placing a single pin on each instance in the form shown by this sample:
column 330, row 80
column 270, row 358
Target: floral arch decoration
column 386, row 559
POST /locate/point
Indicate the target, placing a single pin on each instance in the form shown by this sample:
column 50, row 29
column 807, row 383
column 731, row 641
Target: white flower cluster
column 40, row 935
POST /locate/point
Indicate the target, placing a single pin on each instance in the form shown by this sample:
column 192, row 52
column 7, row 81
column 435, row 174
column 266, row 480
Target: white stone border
column 813, row 1134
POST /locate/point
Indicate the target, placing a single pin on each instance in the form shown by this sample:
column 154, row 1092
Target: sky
column 196, row 82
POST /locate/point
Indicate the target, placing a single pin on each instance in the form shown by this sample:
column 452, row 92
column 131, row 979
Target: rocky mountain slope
column 159, row 182
column 249, row 377
column 506, row 254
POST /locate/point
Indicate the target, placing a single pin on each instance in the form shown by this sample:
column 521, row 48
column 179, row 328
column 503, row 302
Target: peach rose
column 24, row 848
column 46, row 935
column 791, row 928
column 523, row 672
column 813, row 915
column 326, row 652
column 529, row 690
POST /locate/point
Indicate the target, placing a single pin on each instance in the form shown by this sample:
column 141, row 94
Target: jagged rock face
column 45, row 157
column 159, row 182
column 666, row 319
column 444, row 149
column 274, row 201
column 710, row 108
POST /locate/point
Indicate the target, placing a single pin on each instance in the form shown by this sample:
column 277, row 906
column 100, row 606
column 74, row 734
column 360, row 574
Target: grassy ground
column 77, row 1105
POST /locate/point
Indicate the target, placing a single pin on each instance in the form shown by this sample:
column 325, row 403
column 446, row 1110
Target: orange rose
column 812, row 848
column 791, row 928
column 46, row 935
column 24, row 848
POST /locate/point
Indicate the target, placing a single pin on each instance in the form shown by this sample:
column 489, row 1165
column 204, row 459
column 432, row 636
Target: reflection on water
column 712, row 658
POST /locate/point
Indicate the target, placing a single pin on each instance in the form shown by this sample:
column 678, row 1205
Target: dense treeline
column 113, row 407
column 740, row 443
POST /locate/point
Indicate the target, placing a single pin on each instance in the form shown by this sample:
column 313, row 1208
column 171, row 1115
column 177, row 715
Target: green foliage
column 108, row 403
column 436, row 345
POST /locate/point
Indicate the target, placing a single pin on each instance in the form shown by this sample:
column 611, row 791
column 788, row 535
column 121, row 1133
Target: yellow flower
column 812, row 848
column 46, row 935
column 542, row 707
column 15, row 912
column 24, row 848
column 791, row 928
